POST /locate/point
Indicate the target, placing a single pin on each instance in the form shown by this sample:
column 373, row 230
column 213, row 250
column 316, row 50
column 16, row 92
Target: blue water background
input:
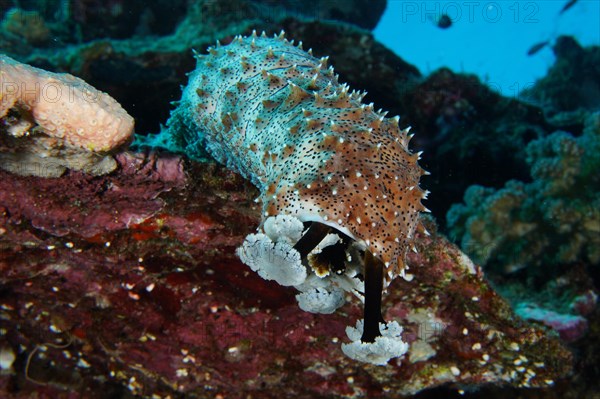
column 487, row 38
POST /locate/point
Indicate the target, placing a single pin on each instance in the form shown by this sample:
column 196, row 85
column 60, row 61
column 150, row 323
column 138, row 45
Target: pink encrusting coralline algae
column 339, row 186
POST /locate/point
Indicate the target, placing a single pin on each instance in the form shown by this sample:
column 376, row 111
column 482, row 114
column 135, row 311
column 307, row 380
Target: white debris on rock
column 389, row 345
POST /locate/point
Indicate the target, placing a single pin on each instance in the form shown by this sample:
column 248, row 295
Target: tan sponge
column 50, row 122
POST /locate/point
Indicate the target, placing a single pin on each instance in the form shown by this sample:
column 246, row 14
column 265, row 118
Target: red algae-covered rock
column 88, row 206
column 162, row 307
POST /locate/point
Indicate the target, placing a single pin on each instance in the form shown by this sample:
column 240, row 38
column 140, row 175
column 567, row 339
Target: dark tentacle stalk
column 373, row 290
column 315, row 234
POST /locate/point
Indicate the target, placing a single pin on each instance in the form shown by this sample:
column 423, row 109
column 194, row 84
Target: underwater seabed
column 123, row 280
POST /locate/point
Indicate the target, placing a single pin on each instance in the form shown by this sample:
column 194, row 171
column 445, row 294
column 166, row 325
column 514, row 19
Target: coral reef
column 534, row 233
column 29, row 25
column 550, row 221
column 114, row 284
column 469, row 134
column 572, row 83
column 75, row 22
column 161, row 306
column 364, row 14
column 52, row 122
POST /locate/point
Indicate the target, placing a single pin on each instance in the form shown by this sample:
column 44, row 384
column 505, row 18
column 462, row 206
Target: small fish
column 569, row 4
column 444, row 21
column 537, row 47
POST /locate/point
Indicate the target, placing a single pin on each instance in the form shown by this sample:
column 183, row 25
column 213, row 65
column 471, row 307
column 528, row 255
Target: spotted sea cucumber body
column 274, row 113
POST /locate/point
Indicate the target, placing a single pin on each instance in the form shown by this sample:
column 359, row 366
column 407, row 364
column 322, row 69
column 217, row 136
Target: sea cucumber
column 339, row 186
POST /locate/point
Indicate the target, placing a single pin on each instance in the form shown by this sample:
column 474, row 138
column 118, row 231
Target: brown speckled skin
column 279, row 116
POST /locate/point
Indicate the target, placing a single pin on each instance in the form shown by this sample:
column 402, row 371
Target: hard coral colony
column 339, row 186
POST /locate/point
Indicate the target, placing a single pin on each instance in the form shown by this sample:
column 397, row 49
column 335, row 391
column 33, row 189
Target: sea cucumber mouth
column 332, row 258
column 321, row 262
